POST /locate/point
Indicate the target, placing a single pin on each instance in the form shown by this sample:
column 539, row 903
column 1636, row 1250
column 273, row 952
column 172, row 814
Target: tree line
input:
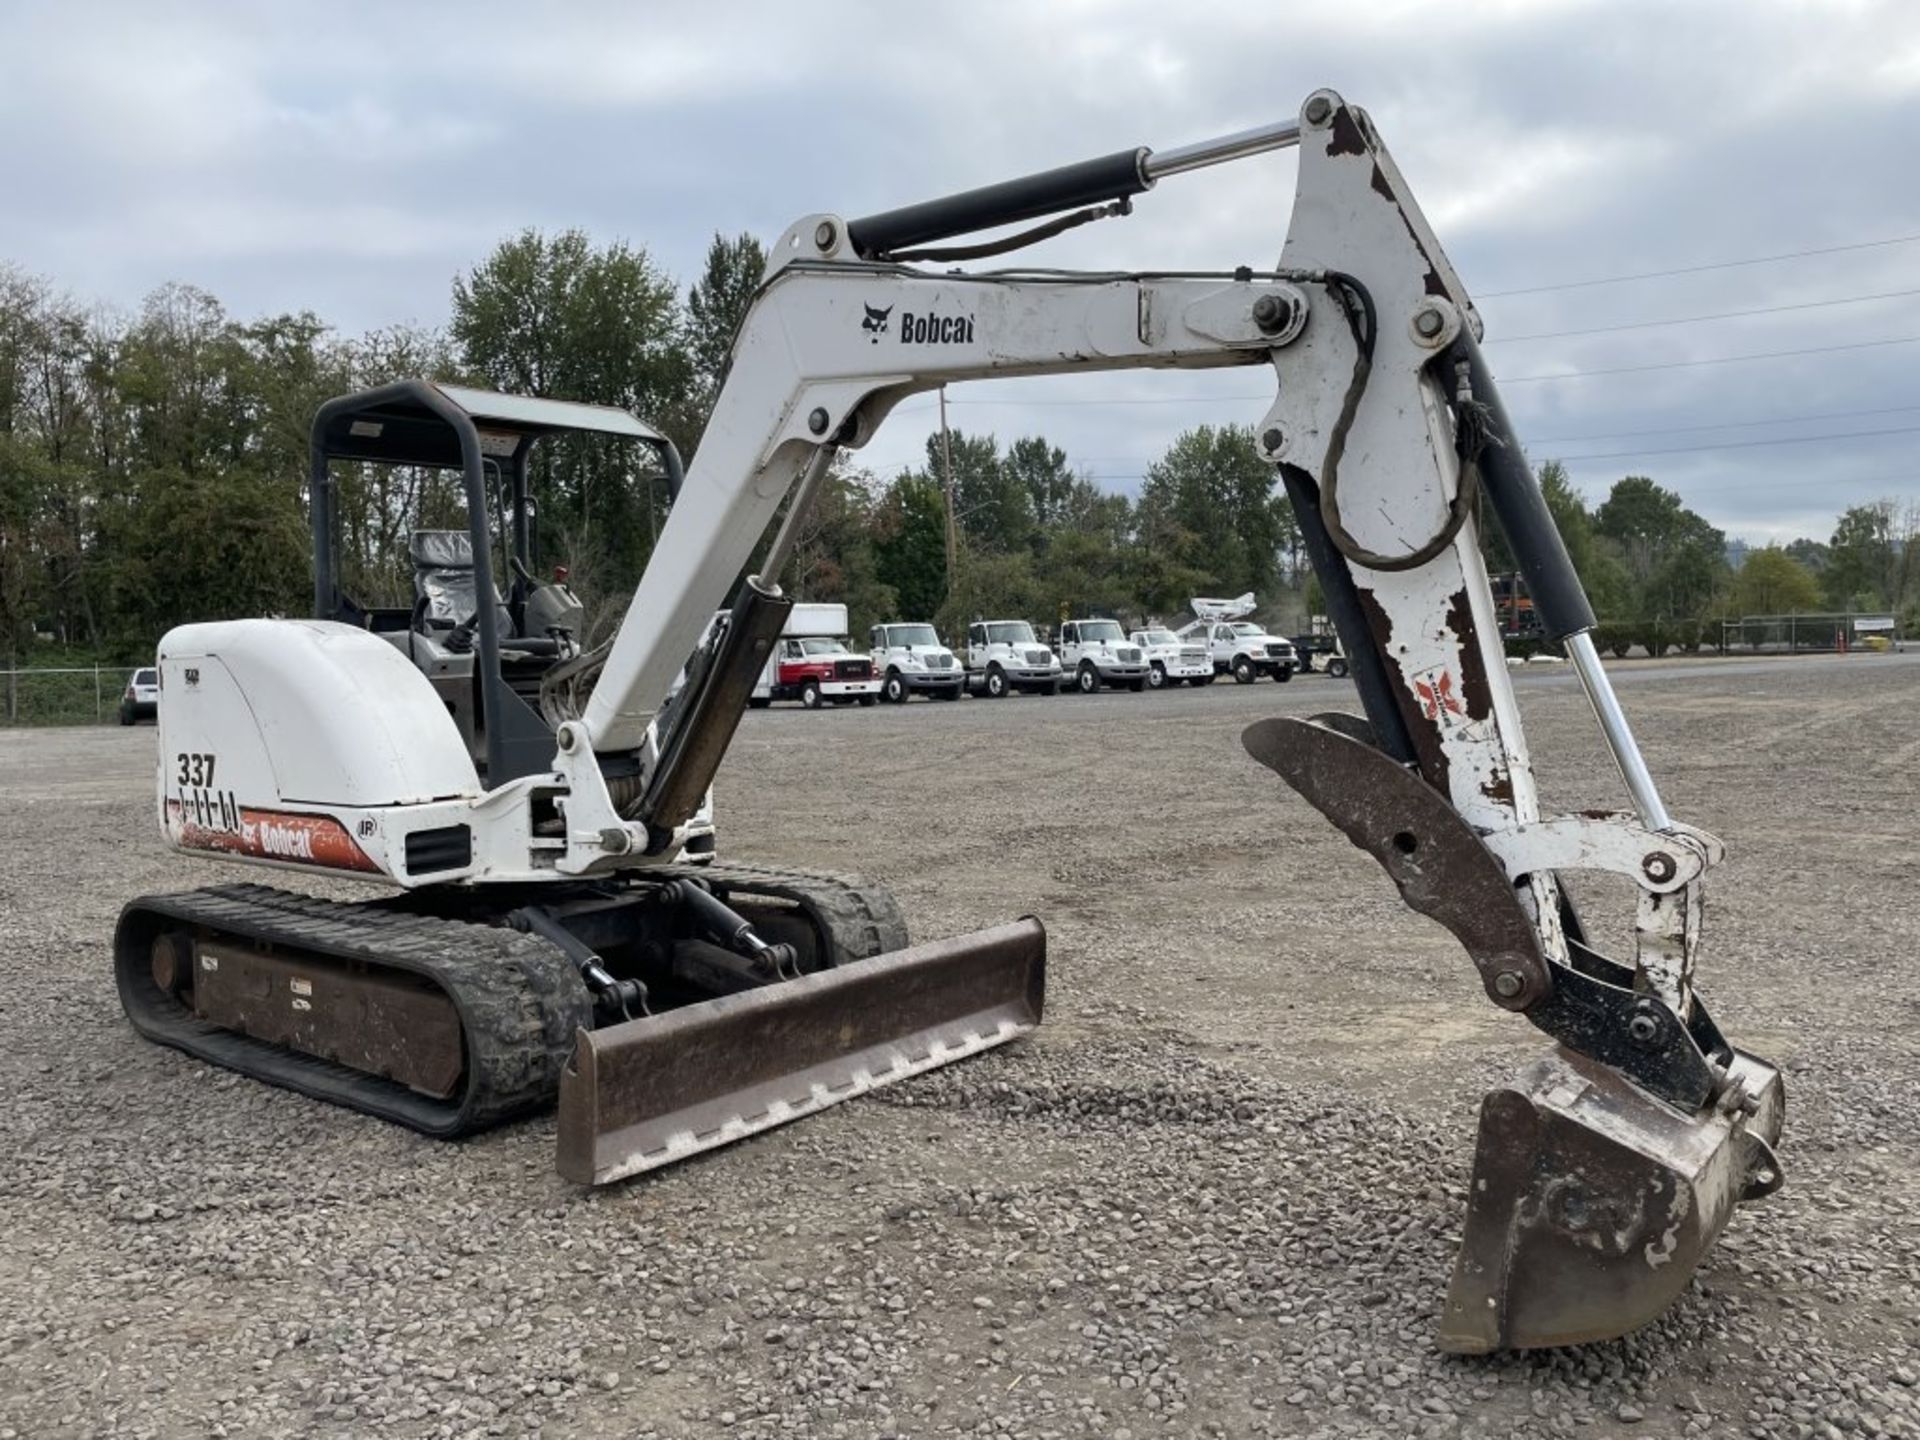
column 153, row 470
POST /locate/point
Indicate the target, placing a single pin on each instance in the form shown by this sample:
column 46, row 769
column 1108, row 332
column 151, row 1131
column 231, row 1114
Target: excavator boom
column 1604, row 1174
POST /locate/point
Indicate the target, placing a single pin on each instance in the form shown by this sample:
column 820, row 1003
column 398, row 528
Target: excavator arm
column 1604, row 1173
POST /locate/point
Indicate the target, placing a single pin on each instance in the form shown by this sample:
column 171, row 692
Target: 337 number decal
column 195, row 770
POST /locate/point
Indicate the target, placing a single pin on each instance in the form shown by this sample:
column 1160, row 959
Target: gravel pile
column 1218, row 1194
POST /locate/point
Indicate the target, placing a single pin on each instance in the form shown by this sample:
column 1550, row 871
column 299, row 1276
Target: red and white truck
column 812, row 664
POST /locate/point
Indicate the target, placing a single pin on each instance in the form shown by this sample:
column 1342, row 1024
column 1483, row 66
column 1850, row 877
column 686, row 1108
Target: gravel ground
column 1217, row 1194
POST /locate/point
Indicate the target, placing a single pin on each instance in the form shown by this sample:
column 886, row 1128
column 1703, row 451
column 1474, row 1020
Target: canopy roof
column 419, row 422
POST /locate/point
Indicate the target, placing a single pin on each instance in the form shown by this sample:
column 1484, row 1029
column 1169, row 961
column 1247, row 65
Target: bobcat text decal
column 265, row 835
column 935, row 329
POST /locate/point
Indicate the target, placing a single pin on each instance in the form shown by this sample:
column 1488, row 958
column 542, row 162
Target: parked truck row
column 814, row 662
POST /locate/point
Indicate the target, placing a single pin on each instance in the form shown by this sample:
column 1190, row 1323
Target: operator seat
column 443, row 584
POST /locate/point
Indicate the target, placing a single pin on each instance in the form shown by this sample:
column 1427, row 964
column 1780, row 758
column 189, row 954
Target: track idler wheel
column 171, row 962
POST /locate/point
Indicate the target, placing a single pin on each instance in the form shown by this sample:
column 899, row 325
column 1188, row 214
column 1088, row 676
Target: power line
column 1504, row 379
column 1536, row 441
column 1702, row 319
column 1533, row 440
column 1637, row 454
column 1745, row 444
column 1713, row 360
column 1879, row 482
column 1723, row 425
column 1686, row 490
column 1698, row 269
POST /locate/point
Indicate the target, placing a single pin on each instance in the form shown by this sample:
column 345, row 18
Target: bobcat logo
column 876, row 322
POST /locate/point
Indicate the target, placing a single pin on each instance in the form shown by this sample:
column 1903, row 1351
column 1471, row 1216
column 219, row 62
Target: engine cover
column 276, row 736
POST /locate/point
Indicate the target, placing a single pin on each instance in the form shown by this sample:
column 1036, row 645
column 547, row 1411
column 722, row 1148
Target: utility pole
column 946, row 476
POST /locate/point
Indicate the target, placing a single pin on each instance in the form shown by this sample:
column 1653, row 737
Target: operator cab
column 486, row 650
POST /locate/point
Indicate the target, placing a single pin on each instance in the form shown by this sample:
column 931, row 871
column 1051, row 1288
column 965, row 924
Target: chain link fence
column 82, row 695
column 1796, row 634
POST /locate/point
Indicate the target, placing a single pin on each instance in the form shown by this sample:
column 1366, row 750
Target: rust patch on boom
column 1476, row 692
column 1344, row 135
column 1427, row 750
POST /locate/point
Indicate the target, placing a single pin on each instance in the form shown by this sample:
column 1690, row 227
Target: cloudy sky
column 351, row 158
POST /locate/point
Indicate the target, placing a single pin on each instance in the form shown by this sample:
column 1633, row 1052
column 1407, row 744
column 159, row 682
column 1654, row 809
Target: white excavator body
column 541, row 801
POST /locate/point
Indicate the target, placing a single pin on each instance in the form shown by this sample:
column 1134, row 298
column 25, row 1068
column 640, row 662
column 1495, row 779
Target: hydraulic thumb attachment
column 1605, row 1172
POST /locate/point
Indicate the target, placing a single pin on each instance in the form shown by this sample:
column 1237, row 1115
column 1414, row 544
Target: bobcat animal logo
column 876, row 322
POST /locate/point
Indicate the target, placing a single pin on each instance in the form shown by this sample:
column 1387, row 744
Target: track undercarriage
column 423, row 1010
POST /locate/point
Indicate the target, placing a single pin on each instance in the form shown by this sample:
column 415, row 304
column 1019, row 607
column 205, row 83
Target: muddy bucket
column 648, row 1092
column 1593, row 1202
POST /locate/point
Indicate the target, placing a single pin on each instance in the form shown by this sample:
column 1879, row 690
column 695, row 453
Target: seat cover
column 443, row 581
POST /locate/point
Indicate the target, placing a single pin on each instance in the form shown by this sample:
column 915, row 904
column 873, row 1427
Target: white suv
column 1005, row 655
column 1171, row 659
column 1097, row 652
column 911, row 661
column 142, row 698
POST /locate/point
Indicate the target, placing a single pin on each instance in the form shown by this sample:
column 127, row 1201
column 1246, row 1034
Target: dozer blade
column 1593, row 1202
column 648, row 1092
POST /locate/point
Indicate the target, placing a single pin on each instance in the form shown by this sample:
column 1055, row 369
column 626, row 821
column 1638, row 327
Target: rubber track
column 519, row 999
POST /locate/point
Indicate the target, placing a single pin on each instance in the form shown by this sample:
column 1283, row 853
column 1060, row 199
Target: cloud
column 351, row 158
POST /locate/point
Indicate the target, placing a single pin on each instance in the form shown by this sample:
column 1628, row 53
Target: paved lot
column 1217, row 1194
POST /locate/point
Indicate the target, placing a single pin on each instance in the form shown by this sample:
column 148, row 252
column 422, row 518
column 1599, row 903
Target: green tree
column 1673, row 558
column 716, row 304
column 910, row 546
column 1772, row 582
column 1207, row 507
column 1571, row 517
column 834, row 557
column 992, row 505
column 1862, row 558
column 206, row 546
column 1041, row 470
column 1811, row 553
column 561, row 317
column 993, row 585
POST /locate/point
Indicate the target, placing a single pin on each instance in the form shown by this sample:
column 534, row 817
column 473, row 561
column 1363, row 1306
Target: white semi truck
column 1097, row 652
column 910, row 660
column 1005, row 655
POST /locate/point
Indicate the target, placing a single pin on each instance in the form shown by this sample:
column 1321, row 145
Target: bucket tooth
column 648, row 1092
column 1592, row 1202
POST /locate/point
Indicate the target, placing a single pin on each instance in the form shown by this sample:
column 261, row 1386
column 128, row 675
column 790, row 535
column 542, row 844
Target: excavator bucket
column 1592, row 1202
column 649, row 1092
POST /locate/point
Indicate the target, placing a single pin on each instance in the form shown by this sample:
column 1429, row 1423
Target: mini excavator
column 563, row 928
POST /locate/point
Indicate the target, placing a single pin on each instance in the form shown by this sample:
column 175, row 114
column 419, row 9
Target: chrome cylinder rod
column 1217, row 152
column 1613, row 725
